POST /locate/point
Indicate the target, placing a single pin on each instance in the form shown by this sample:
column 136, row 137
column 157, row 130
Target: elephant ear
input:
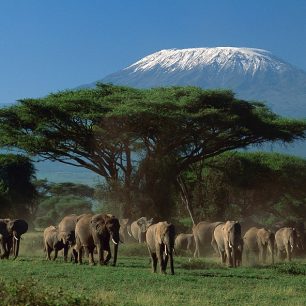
column 97, row 221
column 10, row 225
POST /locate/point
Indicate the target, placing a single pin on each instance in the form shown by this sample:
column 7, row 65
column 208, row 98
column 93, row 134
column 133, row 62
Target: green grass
column 196, row 282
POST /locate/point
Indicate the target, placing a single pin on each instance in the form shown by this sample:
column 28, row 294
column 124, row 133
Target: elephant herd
column 88, row 233
column 226, row 239
column 10, row 235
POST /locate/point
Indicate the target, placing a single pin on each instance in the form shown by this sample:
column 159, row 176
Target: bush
column 25, row 293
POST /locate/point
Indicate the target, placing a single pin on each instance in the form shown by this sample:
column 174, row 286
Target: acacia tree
column 171, row 128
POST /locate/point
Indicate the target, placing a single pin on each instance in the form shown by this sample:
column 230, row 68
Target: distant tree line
column 146, row 144
column 17, row 190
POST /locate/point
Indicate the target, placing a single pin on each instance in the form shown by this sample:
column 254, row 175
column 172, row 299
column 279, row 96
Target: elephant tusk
column 166, row 250
column 15, row 238
column 230, row 245
column 114, row 241
column 129, row 233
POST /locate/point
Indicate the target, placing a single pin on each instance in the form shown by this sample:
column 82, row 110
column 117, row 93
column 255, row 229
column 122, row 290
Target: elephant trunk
column 115, row 238
column 170, row 248
column 16, row 244
column 234, row 256
column 171, row 263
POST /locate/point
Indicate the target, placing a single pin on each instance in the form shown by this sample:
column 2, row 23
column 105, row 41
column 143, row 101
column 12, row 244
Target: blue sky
column 46, row 46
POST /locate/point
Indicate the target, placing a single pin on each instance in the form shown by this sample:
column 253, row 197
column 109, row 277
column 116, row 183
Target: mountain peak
column 247, row 60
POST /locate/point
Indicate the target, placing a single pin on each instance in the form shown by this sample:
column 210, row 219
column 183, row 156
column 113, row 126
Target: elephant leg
column 55, row 253
column 154, row 262
column 229, row 256
column 197, row 247
column 100, row 254
column 108, row 256
column 80, row 255
column 223, row 257
column 66, row 247
column 74, row 255
column 264, row 254
column 215, row 246
column 89, row 252
column 288, row 252
column 49, row 250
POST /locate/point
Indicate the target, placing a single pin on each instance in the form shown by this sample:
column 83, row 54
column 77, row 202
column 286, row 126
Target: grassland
column 33, row 280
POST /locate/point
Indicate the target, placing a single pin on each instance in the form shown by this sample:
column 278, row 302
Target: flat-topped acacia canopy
column 100, row 128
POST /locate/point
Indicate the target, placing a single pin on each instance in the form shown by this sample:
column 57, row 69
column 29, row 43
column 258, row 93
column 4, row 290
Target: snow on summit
column 244, row 59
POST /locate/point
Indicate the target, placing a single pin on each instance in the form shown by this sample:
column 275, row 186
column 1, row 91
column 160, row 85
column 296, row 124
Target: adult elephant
column 66, row 232
column 184, row 242
column 202, row 233
column 96, row 231
column 16, row 228
column 139, row 228
column 5, row 239
column 160, row 242
column 125, row 230
column 227, row 240
column 286, row 242
column 258, row 241
column 52, row 241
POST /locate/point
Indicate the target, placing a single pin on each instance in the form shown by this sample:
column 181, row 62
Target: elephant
column 286, row 242
column 139, row 228
column 16, row 228
column 5, row 239
column 184, row 242
column 96, row 231
column 52, row 241
column 202, row 233
column 160, row 242
column 66, row 232
column 258, row 241
column 228, row 242
column 125, row 230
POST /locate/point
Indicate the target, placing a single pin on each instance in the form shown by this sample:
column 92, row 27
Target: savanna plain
column 32, row 280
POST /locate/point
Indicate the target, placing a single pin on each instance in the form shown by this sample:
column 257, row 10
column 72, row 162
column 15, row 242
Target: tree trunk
column 185, row 197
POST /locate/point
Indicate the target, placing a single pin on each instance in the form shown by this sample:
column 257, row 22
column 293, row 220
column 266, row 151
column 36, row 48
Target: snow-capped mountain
column 253, row 74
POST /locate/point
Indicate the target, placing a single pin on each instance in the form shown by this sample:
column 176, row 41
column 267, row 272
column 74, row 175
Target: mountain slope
column 253, row 74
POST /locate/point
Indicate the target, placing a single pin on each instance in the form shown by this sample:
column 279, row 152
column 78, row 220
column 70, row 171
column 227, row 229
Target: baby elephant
column 52, row 242
column 286, row 239
column 184, row 242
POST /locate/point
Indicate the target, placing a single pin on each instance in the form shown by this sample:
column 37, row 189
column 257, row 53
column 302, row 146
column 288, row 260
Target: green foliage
column 25, row 293
column 57, row 200
column 265, row 186
column 54, row 208
column 17, row 192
